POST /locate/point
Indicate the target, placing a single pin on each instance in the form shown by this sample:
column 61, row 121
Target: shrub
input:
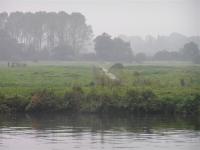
column 136, row 73
column 141, row 101
column 168, row 106
column 191, row 105
column 44, row 101
column 117, row 66
column 13, row 103
column 73, row 99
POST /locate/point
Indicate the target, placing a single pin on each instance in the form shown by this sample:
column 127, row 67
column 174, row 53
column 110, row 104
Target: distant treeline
column 42, row 35
column 62, row 36
column 116, row 49
column 151, row 44
column 189, row 52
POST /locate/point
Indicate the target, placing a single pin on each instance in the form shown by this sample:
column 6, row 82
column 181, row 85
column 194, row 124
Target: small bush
column 136, row 73
column 73, row 99
column 143, row 101
column 13, row 103
column 168, row 106
column 44, row 101
column 191, row 106
column 117, row 66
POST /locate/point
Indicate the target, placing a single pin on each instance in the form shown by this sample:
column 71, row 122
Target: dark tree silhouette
column 140, row 57
column 190, row 52
column 109, row 49
column 9, row 48
column 46, row 31
column 166, row 55
column 63, row 52
column 3, row 18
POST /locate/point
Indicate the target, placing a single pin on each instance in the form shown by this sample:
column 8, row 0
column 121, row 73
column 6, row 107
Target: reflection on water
column 62, row 131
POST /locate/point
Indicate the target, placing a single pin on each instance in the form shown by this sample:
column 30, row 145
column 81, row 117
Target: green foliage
column 191, row 105
column 44, row 101
column 74, row 98
column 116, row 66
column 12, row 104
column 141, row 101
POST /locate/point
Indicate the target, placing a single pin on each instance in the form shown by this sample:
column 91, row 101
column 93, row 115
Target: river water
column 92, row 132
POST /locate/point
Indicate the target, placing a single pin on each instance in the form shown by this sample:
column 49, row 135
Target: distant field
column 178, row 79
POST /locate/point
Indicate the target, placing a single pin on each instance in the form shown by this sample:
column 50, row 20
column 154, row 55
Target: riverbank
column 79, row 101
column 140, row 89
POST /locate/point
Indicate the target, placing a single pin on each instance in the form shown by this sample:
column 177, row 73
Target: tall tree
column 190, row 52
column 47, row 31
column 112, row 49
column 3, row 19
column 9, row 48
column 79, row 32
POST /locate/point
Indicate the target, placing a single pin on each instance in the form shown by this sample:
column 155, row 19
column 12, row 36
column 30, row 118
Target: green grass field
column 23, row 80
column 169, row 82
column 164, row 79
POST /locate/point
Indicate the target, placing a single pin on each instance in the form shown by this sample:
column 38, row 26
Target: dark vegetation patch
column 78, row 100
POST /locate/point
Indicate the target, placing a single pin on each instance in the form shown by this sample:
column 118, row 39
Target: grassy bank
column 142, row 89
column 93, row 101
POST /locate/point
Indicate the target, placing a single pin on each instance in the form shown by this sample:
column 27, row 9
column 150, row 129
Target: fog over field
column 130, row 17
column 132, row 30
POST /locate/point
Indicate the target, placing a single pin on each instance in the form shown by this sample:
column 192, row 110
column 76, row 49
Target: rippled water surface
column 85, row 132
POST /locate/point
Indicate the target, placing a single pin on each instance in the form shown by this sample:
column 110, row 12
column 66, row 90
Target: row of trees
column 42, row 31
column 62, row 36
column 116, row 49
column 151, row 44
column 189, row 52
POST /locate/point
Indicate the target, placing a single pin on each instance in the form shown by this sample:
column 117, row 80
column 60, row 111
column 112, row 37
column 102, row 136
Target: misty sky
column 130, row 17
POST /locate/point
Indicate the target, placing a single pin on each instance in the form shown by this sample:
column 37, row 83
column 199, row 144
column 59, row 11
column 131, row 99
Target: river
column 94, row 132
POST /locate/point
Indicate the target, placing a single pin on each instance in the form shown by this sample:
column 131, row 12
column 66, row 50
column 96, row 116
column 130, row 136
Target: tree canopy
column 62, row 36
column 46, row 30
column 115, row 49
column 190, row 52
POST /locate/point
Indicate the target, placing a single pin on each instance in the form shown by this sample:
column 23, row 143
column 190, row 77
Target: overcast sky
column 130, row 17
